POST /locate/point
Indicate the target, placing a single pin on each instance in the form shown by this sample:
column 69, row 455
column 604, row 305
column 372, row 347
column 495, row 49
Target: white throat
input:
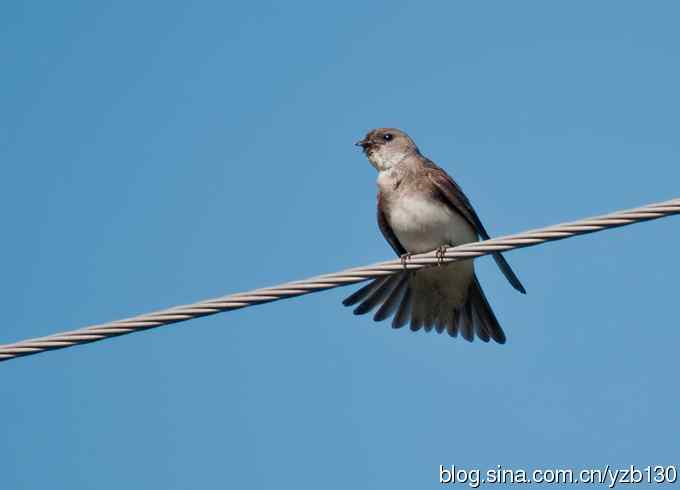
column 383, row 160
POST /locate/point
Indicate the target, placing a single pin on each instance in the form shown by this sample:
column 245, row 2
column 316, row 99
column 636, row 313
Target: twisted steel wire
column 336, row 279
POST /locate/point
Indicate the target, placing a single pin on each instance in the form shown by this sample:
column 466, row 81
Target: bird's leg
column 440, row 254
column 405, row 258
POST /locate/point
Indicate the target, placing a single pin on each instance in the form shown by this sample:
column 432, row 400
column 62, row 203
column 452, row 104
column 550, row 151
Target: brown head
column 386, row 147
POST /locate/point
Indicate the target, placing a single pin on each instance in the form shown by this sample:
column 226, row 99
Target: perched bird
column 421, row 208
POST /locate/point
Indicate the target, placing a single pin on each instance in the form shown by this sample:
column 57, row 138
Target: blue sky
column 167, row 152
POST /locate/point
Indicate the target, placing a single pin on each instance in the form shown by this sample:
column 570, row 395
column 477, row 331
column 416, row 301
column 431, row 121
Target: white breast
column 422, row 224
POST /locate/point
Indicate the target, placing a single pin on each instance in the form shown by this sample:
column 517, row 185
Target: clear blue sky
column 160, row 153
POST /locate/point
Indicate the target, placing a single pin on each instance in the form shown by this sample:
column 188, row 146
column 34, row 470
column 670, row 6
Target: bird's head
column 386, row 147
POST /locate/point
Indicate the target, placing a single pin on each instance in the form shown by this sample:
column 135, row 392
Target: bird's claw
column 441, row 254
column 405, row 258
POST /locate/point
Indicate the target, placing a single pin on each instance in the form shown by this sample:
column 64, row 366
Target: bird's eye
column 388, row 137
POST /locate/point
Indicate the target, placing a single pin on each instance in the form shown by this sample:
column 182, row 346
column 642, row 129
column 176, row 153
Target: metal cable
column 336, row 279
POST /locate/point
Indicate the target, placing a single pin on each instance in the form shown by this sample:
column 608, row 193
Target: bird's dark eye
column 388, row 137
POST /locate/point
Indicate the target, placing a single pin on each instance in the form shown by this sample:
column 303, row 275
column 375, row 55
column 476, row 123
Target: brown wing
column 452, row 195
column 391, row 292
column 387, row 231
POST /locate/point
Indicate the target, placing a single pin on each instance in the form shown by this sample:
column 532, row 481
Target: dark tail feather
column 509, row 273
column 428, row 321
column 417, row 316
column 440, row 323
column 365, row 291
column 481, row 329
column 378, row 296
column 485, row 320
column 404, row 312
column 465, row 323
column 452, row 325
column 394, row 299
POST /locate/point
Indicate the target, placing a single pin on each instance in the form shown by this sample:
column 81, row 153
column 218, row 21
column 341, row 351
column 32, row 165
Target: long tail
column 395, row 296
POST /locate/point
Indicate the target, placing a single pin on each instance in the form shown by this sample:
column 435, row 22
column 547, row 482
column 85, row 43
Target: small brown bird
column 421, row 208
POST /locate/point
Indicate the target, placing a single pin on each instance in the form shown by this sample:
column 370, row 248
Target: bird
column 420, row 208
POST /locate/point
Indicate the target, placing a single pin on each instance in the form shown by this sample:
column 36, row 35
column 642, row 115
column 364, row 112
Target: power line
column 336, row 279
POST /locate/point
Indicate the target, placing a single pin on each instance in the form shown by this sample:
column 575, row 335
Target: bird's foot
column 440, row 254
column 405, row 258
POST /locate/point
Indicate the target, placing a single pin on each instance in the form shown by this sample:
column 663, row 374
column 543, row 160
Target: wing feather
column 387, row 231
column 453, row 196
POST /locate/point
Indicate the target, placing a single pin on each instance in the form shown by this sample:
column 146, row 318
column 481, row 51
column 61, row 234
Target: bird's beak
column 363, row 143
